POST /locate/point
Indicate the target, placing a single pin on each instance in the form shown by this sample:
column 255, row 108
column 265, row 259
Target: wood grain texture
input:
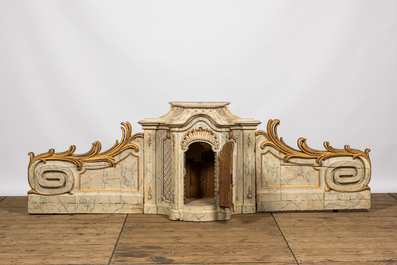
column 225, row 175
column 55, row 239
column 320, row 238
column 199, row 178
column 244, row 239
column 343, row 236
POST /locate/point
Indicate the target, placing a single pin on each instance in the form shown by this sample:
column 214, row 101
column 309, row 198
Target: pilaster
column 249, row 171
column 149, row 172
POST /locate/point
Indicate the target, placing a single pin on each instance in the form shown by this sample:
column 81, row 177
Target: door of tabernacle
column 191, row 171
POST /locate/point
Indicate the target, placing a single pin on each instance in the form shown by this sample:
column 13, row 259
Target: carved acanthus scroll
column 348, row 169
column 54, row 179
column 306, row 152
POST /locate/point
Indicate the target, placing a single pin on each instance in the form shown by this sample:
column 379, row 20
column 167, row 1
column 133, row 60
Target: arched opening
column 200, row 174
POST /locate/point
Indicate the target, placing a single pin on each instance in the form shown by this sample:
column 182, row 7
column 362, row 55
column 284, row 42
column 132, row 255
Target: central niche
column 200, row 174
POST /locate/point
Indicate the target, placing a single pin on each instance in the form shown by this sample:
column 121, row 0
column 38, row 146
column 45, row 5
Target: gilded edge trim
column 129, row 154
column 289, row 187
column 92, row 155
column 306, row 152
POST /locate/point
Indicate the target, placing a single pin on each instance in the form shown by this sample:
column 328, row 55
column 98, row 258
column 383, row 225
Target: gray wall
column 71, row 71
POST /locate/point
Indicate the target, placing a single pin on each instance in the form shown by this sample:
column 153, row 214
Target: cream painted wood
column 148, row 176
column 304, row 184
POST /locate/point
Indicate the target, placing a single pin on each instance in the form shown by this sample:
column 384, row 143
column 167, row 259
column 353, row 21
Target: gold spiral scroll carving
column 93, row 155
column 306, row 152
column 200, row 134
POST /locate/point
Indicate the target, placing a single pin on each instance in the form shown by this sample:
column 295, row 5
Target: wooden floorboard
column 358, row 237
column 343, row 236
column 55, row 239
column 244, row 239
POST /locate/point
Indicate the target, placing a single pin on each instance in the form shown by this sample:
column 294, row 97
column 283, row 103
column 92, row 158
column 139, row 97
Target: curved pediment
column 200, row 134
column 182, row 113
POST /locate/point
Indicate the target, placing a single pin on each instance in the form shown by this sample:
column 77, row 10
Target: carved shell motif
column 200, row 134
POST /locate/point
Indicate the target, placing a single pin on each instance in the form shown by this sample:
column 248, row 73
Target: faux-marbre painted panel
column 124, row 176
column 299, row 176
column 270, row 171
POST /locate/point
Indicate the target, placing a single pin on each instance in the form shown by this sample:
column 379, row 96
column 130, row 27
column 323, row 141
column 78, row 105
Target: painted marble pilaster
column 149, row 172
column 179, row 179
column 249, row 172
column 165, row 173
column 174, row 210
column 239, row 172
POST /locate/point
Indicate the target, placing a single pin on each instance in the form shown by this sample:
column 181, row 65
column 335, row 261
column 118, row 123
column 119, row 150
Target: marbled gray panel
column 39, row 204
column 299, row 176
column 270, row 171
column 124, row 176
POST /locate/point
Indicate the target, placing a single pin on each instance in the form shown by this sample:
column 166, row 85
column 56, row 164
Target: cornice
column 181, row 113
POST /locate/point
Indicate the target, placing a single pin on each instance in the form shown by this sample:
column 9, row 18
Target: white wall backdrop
column 71, row 71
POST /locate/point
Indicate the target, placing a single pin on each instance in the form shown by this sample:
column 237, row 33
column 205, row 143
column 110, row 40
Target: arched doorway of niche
column 199, row 188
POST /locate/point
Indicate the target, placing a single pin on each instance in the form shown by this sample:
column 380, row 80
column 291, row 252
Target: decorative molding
column 149, row 141
column 181, row 113
column 306, row 152
column 167, row 168
column 249, row 194
column 200, row 134
column 93, row 155
column 149, row 193
column 168, row 134
column 249, row 140
column 34, row 191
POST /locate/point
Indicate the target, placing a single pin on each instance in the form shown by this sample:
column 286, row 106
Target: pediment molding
column 181, row 113
column 200, row 134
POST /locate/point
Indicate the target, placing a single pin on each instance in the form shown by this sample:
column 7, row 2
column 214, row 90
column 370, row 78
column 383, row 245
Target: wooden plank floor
column 317, row 238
